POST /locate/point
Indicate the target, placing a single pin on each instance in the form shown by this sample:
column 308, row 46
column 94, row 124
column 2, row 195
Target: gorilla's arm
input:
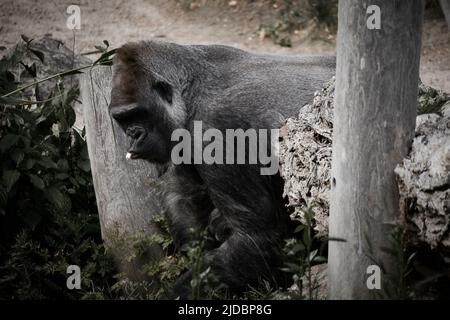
column 253, row 208
column 186, row 203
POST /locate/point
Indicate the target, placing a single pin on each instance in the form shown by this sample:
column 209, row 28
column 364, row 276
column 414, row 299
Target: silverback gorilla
column 159, row 87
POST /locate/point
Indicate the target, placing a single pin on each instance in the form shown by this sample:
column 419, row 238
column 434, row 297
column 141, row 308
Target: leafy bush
column 48, row 214
column 301, row 253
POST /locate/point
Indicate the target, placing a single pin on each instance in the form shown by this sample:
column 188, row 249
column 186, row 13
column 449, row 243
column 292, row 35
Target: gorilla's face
column 145, row 139
column 140, row 104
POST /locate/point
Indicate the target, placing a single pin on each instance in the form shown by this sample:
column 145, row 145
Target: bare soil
column 205, row 22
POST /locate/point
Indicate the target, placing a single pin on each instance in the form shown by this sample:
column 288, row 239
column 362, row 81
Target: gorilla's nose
column 135, row 132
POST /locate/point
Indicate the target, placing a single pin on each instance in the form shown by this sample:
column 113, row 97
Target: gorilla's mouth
column 132, row 155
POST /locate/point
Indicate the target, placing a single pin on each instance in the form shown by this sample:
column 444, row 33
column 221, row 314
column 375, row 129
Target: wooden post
column 445, row 6
column 125, row 190
column 374, row 118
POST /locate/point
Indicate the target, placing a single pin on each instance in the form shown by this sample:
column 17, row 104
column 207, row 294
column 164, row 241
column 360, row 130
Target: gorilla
column 159, row 87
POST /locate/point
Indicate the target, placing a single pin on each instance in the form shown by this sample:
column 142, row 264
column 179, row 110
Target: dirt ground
column 233, row 23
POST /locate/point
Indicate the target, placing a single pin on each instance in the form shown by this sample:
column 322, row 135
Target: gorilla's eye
column 164, row 90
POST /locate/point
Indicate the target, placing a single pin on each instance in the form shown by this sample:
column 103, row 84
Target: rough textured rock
column 305, row 158
column 424, row 178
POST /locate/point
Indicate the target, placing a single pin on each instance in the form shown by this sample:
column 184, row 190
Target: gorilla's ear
column 164, row 90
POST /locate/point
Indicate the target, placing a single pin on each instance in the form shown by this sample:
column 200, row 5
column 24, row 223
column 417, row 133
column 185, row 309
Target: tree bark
column 445, row 5
column 125, row 190
column 375, row 109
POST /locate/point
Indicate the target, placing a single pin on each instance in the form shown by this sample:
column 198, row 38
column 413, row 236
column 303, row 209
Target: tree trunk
column 125, row 190
column 375, row 109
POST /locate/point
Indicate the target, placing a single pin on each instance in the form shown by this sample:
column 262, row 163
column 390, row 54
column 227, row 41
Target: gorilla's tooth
column 128, row 156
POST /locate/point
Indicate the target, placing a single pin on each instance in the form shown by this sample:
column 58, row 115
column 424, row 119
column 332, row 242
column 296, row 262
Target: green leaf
column 30, row 69
column 70, row 115
column 8, row 141
column 40, row 119
column 25, row 38
column 50, row 147
column 37, row 182
column 29, row 163
column 74, row 181
column 19, row 120
column 61, row 176
column 105, row 56
column 319, row 259
column 411, row 257
column 313, row 254
column 17, row 156
column 80, row 181
column 38, row 54
column 292, row 266
column 63, row 165
column 106, row 62
column 55, row 129
column 84, row 165
column 61, row 202
column 299, row 228
column 9, row 178
column 298, row 247
column 47, row 163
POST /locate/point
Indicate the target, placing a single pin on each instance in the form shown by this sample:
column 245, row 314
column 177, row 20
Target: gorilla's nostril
column 135, row 132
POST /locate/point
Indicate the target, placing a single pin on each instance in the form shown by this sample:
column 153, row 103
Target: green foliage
column 397, row 283
column 48, row 215
column 167, row 270
column 174, row 263
column 204, row 284
column 301, row 253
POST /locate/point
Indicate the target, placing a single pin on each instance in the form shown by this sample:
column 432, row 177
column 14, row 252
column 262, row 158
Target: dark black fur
column 159, row 87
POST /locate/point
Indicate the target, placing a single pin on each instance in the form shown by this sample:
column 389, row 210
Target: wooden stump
column 125, row 190
column 377, row 75
column 445, row 5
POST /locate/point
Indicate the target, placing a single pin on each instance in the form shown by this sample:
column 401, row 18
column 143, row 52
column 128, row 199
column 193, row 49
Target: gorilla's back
column 269, row 87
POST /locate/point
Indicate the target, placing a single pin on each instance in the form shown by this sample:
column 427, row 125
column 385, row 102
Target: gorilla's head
column 146, row 99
